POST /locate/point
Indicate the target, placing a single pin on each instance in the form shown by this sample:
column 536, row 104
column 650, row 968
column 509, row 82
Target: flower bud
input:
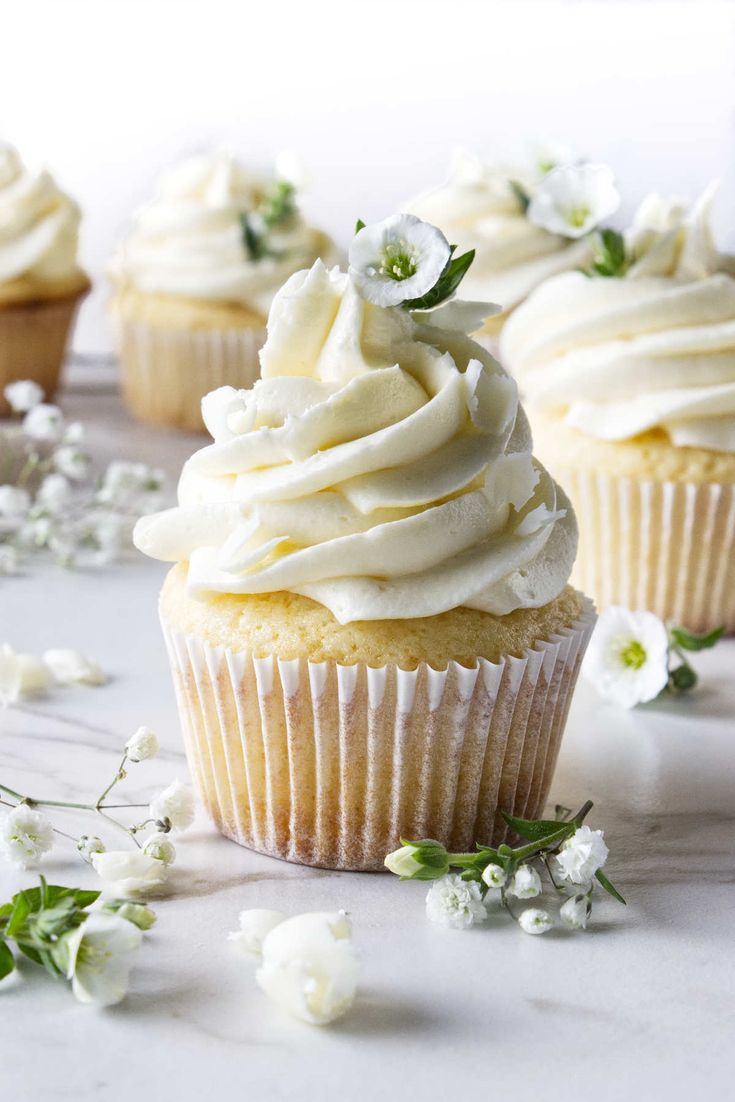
column 89, row 844
column 427, row 860
column 142, row 745
column 534, row 921
column 137, row 913
column 494, row 876
column 526, row 883
column 161, row 847
column 575, row 912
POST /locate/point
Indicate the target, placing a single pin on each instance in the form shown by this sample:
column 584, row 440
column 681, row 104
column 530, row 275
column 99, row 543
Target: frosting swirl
column 477, row 208
column 39, row 227
column 381, row 466
column 188, row 241
column 654, row 349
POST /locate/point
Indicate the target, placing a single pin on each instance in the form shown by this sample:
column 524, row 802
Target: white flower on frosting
column 72, row 462
column 526, row 883
column 25, row 835
column 455, row 903
column 572, row 199
column 548, row 155
column 44, row 422
column 161, row 847
column 255, row 925
column 142, row 745
column 129, row 872
column 23, row 395
column 534, row 921
column 175, row 805
column 575, row 912
column 54, row 493
column 70, row 667
column 309, row 966
column 398, row 259
column 494, row 876
column 582, row 855
column 100, row 955
column 628, row 657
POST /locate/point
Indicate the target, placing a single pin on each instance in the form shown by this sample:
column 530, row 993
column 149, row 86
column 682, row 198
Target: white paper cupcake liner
column 166, row 373
column 330, row 765
column 664, row 546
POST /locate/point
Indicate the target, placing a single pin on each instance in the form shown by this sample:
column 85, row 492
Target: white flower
column 137, row 913
column 100, row 957
column 9, row 559
column 582, row 855
column 309, row 966
column 572, row 199
column 534, row 921
column 89, row 844
column 23, row 395
column 575, row 912
column 25, row 835
column 526, row 883
column 70, row 667
column 74, row 433
column 54, row 493
column 21, row 675
column 403, row 861
column 455, row 902
column 161, row 847
column 14, row 505
column 129, row 872
column 398, row 259
column 142, row 745
column 44, row 422
column 628, row 657
column 255, row 925
column 72, row 462
column 494, row 876
column 548, row 155
column 175, row 805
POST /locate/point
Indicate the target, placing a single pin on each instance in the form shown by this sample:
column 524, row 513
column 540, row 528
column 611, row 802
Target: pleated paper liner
column 166, row 373
column 664, row 546
column 329, row 765
column 33, row 339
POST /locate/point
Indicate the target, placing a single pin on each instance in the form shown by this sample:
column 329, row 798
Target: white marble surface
column 639, row 1006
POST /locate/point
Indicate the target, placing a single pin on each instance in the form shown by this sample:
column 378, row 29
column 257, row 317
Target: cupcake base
column 330, row 765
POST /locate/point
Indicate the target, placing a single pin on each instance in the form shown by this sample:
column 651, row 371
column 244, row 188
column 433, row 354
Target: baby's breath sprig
column 568, row 853
column 275, row 211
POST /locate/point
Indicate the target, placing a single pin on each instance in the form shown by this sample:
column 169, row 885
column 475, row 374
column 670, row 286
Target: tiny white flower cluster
column 307, row 964
column 52, row 502
column 24, row 675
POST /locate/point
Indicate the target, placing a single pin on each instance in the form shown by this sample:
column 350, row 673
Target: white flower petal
column 23, row 395
column 534, row 921
column 129, row 872
column 455, row 903
column 573, row 199
column 100, row 953
column 255, row 925
column 70, row 667
column 398, row 259
column 627, row 659
column 176, row 803
column 25, row 835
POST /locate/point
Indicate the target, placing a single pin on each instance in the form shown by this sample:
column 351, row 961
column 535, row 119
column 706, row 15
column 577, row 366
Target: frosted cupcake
column 369, row 623
column 195, row 280
column 41, row 283
column 631, row 387
column 491, row 209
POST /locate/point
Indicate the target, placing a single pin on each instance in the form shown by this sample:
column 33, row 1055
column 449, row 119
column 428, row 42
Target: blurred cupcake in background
column 195, row 279
column 41, row 283
column 493, row 209
column 629, row 375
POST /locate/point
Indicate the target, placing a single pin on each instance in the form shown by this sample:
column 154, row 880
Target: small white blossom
column 25, row 835
column 36, row 532
column 255, row 925
column 137, row 913
column 582, row 855
column 100, row 957
column 23, row 395
column 309, row 967
column 572, row 199
column 548, row 155
column 74, row 433
column 54, row 493
column 44, row 422
column 89, row 844
column 70, row 667
column 142, row 745
column 174, row 805
column 129, row 872
column 402, row 862
column 526, row 883
column 575, row 912
column 494, row 876
column 534, row 921
column 161, row 847
column 455, row 903
column 9, row 559
column 398, row 259
column 72, row 462
column 15, row 504
column 628, row 656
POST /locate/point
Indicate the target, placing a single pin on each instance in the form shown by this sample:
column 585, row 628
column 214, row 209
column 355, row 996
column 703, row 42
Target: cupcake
column 630, row 381
column 486, row 207
column 369, row 623
column 41, row 284
column 194, row 282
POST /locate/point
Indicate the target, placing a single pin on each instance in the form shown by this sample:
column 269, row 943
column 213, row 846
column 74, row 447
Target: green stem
column 118, row 777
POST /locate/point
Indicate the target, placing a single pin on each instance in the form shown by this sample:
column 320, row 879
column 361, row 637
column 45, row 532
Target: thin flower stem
column 120, row 826
column 119, row 775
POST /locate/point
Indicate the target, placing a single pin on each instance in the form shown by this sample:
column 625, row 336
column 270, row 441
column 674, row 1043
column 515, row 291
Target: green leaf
column 30, row 952
column 7, row 960
column 609, row 888
column 279, row 204
column 536, row 830
column 254, row 242
column 611, row 260
column 21, row 909
column 445, row 286
column 359, row 225
column 521, row 195
column 690, row 640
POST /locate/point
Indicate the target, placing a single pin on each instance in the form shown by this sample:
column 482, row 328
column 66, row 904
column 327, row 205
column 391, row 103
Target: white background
column 373, row 93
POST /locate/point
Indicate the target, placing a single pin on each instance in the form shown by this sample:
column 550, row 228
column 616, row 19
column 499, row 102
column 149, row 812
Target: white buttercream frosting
column 381, row 466
column 188, row 241
column 39, row 224
column 477, row 209
column 616, row 357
